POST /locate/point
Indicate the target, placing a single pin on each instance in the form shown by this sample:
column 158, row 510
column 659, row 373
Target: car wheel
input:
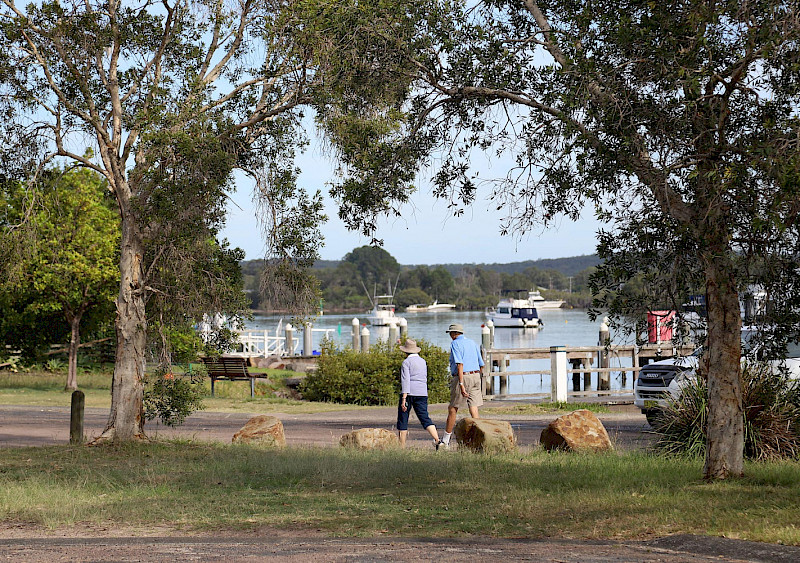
column 653, row 417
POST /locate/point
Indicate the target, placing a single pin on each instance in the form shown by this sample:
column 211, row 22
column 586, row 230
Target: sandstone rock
column 578, row 430
column 276, row 365
column 482, row 435
column 370, row 439
column 266, row 362
column 262, row 430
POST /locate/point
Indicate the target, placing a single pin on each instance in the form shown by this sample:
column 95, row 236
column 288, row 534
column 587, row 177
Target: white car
column 662, row 381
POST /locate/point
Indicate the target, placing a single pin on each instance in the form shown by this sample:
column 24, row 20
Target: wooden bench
column 231, row 368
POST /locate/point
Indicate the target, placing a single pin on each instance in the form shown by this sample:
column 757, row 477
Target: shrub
column 372, row 378
column 771, row 404
column 172, row 397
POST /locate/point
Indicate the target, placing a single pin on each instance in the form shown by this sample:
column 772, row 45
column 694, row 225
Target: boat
column 536, row 300
column 433, row 307
column 514, row 313
column 382, row 313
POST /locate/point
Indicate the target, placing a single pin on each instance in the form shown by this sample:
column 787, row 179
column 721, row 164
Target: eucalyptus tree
column 171, row 96
column 676, row 121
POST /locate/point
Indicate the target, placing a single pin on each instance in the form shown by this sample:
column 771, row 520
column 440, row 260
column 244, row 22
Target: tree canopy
column 676, row 121
column 65, row 257
column 171, row 97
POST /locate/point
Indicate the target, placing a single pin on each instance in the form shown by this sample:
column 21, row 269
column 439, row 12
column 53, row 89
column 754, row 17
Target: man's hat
column 410, row 347
column 455, row 328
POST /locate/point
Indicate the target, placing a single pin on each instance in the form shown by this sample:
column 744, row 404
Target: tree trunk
column 126, row 419
column 725, row 445
column 74, row 344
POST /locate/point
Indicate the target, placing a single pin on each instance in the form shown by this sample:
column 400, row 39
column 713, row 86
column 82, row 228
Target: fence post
column 403, row 328
column 356, row 328
column 289, row 340
column 490, row 324
column 308, row 339
column 76, row 417
column 558, row 374
column 392, row 334
column 503, row 378
column 488, row 384
column 364, row 339
column 603, row 339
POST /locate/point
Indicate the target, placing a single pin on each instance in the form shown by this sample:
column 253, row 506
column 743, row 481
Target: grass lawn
column 193, row 486
column 39, row 388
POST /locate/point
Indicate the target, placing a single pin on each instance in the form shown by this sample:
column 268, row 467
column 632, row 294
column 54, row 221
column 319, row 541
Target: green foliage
column 171, row 397
column 63, row 277
column 771, row 405
column 372, row 378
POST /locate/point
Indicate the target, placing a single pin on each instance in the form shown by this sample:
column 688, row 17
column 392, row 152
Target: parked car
column 661, row 382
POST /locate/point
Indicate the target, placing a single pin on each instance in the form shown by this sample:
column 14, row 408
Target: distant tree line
column 348, row 284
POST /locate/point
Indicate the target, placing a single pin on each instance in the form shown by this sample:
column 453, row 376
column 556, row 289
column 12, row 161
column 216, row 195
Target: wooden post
column 488, row 384
column 392, row 335
column 503, row 378
column 490, row 324
column 403, row 328
column 356, row 327
column 603, row 339
column 76, row 418
column 364, row 339
column 576, row 364
column 307, row 339
column 558, row 374
column 635, row 362
column 289, row 344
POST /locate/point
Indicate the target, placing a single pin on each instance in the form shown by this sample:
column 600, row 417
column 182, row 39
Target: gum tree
column 171, row 96
column 677, row 121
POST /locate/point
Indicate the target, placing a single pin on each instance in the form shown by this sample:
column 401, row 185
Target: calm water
column 562, row 327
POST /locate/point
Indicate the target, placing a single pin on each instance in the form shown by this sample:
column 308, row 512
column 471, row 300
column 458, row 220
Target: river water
column 562, row 327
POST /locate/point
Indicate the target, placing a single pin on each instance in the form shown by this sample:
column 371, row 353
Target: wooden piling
column 76, row 417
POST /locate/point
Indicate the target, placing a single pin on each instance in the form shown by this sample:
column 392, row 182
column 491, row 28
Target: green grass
column 39, row 388
column 193, row 486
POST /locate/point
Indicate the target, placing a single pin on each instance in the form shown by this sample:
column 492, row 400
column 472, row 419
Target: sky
column 425, row 234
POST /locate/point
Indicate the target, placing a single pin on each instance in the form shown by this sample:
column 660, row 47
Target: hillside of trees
column 345, row 284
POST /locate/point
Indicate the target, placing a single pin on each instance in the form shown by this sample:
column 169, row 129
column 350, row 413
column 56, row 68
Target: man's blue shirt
column 464, row 351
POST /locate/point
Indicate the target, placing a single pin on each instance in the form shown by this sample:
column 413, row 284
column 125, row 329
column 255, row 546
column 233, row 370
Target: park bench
column 231, row 368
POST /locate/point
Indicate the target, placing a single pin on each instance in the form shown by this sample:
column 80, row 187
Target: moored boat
column 536, row 300
column 514, row 313
column 433, row 307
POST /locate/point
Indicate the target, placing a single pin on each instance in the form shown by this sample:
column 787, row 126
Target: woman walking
column 414, row 393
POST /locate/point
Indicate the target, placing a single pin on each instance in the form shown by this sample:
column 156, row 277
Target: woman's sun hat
column 410, row 347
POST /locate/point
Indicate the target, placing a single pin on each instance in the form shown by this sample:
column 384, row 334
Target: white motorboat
column 514, row 313
column 433, row 307
column 535, row 299
column 382, row 313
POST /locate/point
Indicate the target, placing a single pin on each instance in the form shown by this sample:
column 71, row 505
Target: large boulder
column 370, row 439
column 262, row 430
column 482, row 435
column 578, row 430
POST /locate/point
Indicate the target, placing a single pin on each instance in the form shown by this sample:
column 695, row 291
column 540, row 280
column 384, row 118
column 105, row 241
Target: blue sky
column 425, row 234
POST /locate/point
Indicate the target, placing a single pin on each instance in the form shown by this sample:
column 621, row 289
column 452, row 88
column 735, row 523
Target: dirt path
column 283, row 546
column 37, row 426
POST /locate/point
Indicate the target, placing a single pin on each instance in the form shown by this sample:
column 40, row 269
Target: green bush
column 372, row 378
column 771, row 404
column 171, row 397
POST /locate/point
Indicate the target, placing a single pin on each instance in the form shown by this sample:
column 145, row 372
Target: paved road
column 37, row 426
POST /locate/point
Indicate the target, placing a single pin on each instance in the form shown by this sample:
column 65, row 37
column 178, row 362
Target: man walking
column 465, row 380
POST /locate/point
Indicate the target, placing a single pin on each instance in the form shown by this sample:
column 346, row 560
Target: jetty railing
column 583, row 360
column 262, row 343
